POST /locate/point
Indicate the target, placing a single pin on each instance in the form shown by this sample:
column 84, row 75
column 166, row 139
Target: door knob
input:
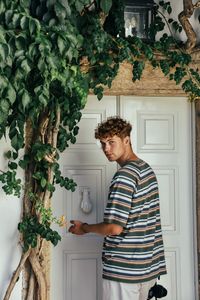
column 86, row 204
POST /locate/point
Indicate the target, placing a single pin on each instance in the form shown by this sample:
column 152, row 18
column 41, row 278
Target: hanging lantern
column 138, row 15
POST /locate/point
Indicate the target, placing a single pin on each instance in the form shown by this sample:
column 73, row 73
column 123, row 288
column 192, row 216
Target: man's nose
column 106, row 148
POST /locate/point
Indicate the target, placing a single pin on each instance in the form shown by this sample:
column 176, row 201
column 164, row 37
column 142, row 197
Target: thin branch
column 170, row 30
column 16, row 274
column 197, row 5
column 189, row 31
column 56, row 128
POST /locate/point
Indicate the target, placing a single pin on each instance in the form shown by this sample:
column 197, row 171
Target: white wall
column 177, row 7
column 10, row 210
column 10, row 207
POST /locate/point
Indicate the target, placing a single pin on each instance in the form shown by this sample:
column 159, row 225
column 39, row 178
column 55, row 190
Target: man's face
column 114, row 147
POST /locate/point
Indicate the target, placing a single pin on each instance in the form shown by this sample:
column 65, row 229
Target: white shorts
column 114, row 290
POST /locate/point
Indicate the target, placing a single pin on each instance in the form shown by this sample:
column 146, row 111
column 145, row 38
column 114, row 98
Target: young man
column 133, row 254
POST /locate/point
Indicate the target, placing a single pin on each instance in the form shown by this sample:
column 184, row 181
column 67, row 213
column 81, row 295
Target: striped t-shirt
column 137, row 254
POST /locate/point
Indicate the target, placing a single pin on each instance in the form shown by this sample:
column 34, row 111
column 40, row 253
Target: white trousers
column 114, row 290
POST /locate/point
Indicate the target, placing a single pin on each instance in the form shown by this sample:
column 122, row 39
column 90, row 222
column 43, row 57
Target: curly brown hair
column 113, row 126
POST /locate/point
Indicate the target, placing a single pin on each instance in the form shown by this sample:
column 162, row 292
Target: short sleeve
column 120, row 198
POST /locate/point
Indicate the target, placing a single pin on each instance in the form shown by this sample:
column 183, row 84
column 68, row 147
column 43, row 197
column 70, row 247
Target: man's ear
column 127, row 140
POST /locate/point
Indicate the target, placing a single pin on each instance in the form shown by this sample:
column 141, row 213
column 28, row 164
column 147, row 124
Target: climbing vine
column 52, row 54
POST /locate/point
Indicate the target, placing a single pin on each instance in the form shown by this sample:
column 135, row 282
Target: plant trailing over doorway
column 52, row 53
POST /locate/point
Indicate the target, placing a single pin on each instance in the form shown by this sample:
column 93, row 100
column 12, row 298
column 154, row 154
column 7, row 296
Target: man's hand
column 104, row 229
column 77, row 228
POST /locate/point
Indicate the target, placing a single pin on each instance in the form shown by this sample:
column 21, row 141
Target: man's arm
column 81, row 228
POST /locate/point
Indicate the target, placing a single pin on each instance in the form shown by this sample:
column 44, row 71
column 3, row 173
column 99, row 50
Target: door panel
column 76, row 269
column 83, row 275
column 162, row 136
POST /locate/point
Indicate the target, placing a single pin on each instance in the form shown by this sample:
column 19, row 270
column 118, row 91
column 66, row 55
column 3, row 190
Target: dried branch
column 16, row 274
column 54, row 135
column 184, row 20
column 40, row 276
column 31, row 285
column 56, row 128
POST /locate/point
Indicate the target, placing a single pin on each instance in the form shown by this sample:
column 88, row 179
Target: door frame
column 196, row 159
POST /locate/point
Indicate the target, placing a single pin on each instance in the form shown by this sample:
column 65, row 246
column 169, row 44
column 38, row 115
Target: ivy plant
column 52, row 54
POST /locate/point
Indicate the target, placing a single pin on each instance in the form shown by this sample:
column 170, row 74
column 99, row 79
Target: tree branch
column 188, row 8
column 16, row 274
column 31, row 285
column 197, row 5
column 184, row 20
column 56, row 128
column 41, row 280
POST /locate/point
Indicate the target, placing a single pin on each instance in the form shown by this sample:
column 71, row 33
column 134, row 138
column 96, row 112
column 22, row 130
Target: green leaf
column 5, row 106
column 34, row 243
column 148, row 52
column 25, row 66
column 43, row 99
column 12, row 165
column 60, row 12
column 33, row 51
column 3, row 82
column 3, row 118
column 32, row 26
column 164, row 64
column 50, row 3
column 8, row 16
column 4, row 51
column 11, row 94
column 8, row 154
column 23, row 164
column 169, row 10
column 15, row 155
column 75, row 130
column 106, row 5
column 21, row 42
column 61, row 44
column 50, row 187
column 65, row 4
column 14, row 142
column 17, row 142
column 24, row 23
column 2, row 7
column 25, row 3
column 138, row 67
column 175, row 25
column 25, row 99
column 16, row 20
column 37, row 175
column 79, row 6
column 73, row 139
column 99, row 96
column 43, row 182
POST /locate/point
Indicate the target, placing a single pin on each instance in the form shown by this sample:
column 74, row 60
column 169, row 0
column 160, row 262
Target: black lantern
column 138, row 15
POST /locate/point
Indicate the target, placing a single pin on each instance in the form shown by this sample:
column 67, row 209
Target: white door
column 161, row 136
column 76, row 270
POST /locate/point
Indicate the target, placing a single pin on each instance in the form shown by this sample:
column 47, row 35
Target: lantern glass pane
column 137, row 17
